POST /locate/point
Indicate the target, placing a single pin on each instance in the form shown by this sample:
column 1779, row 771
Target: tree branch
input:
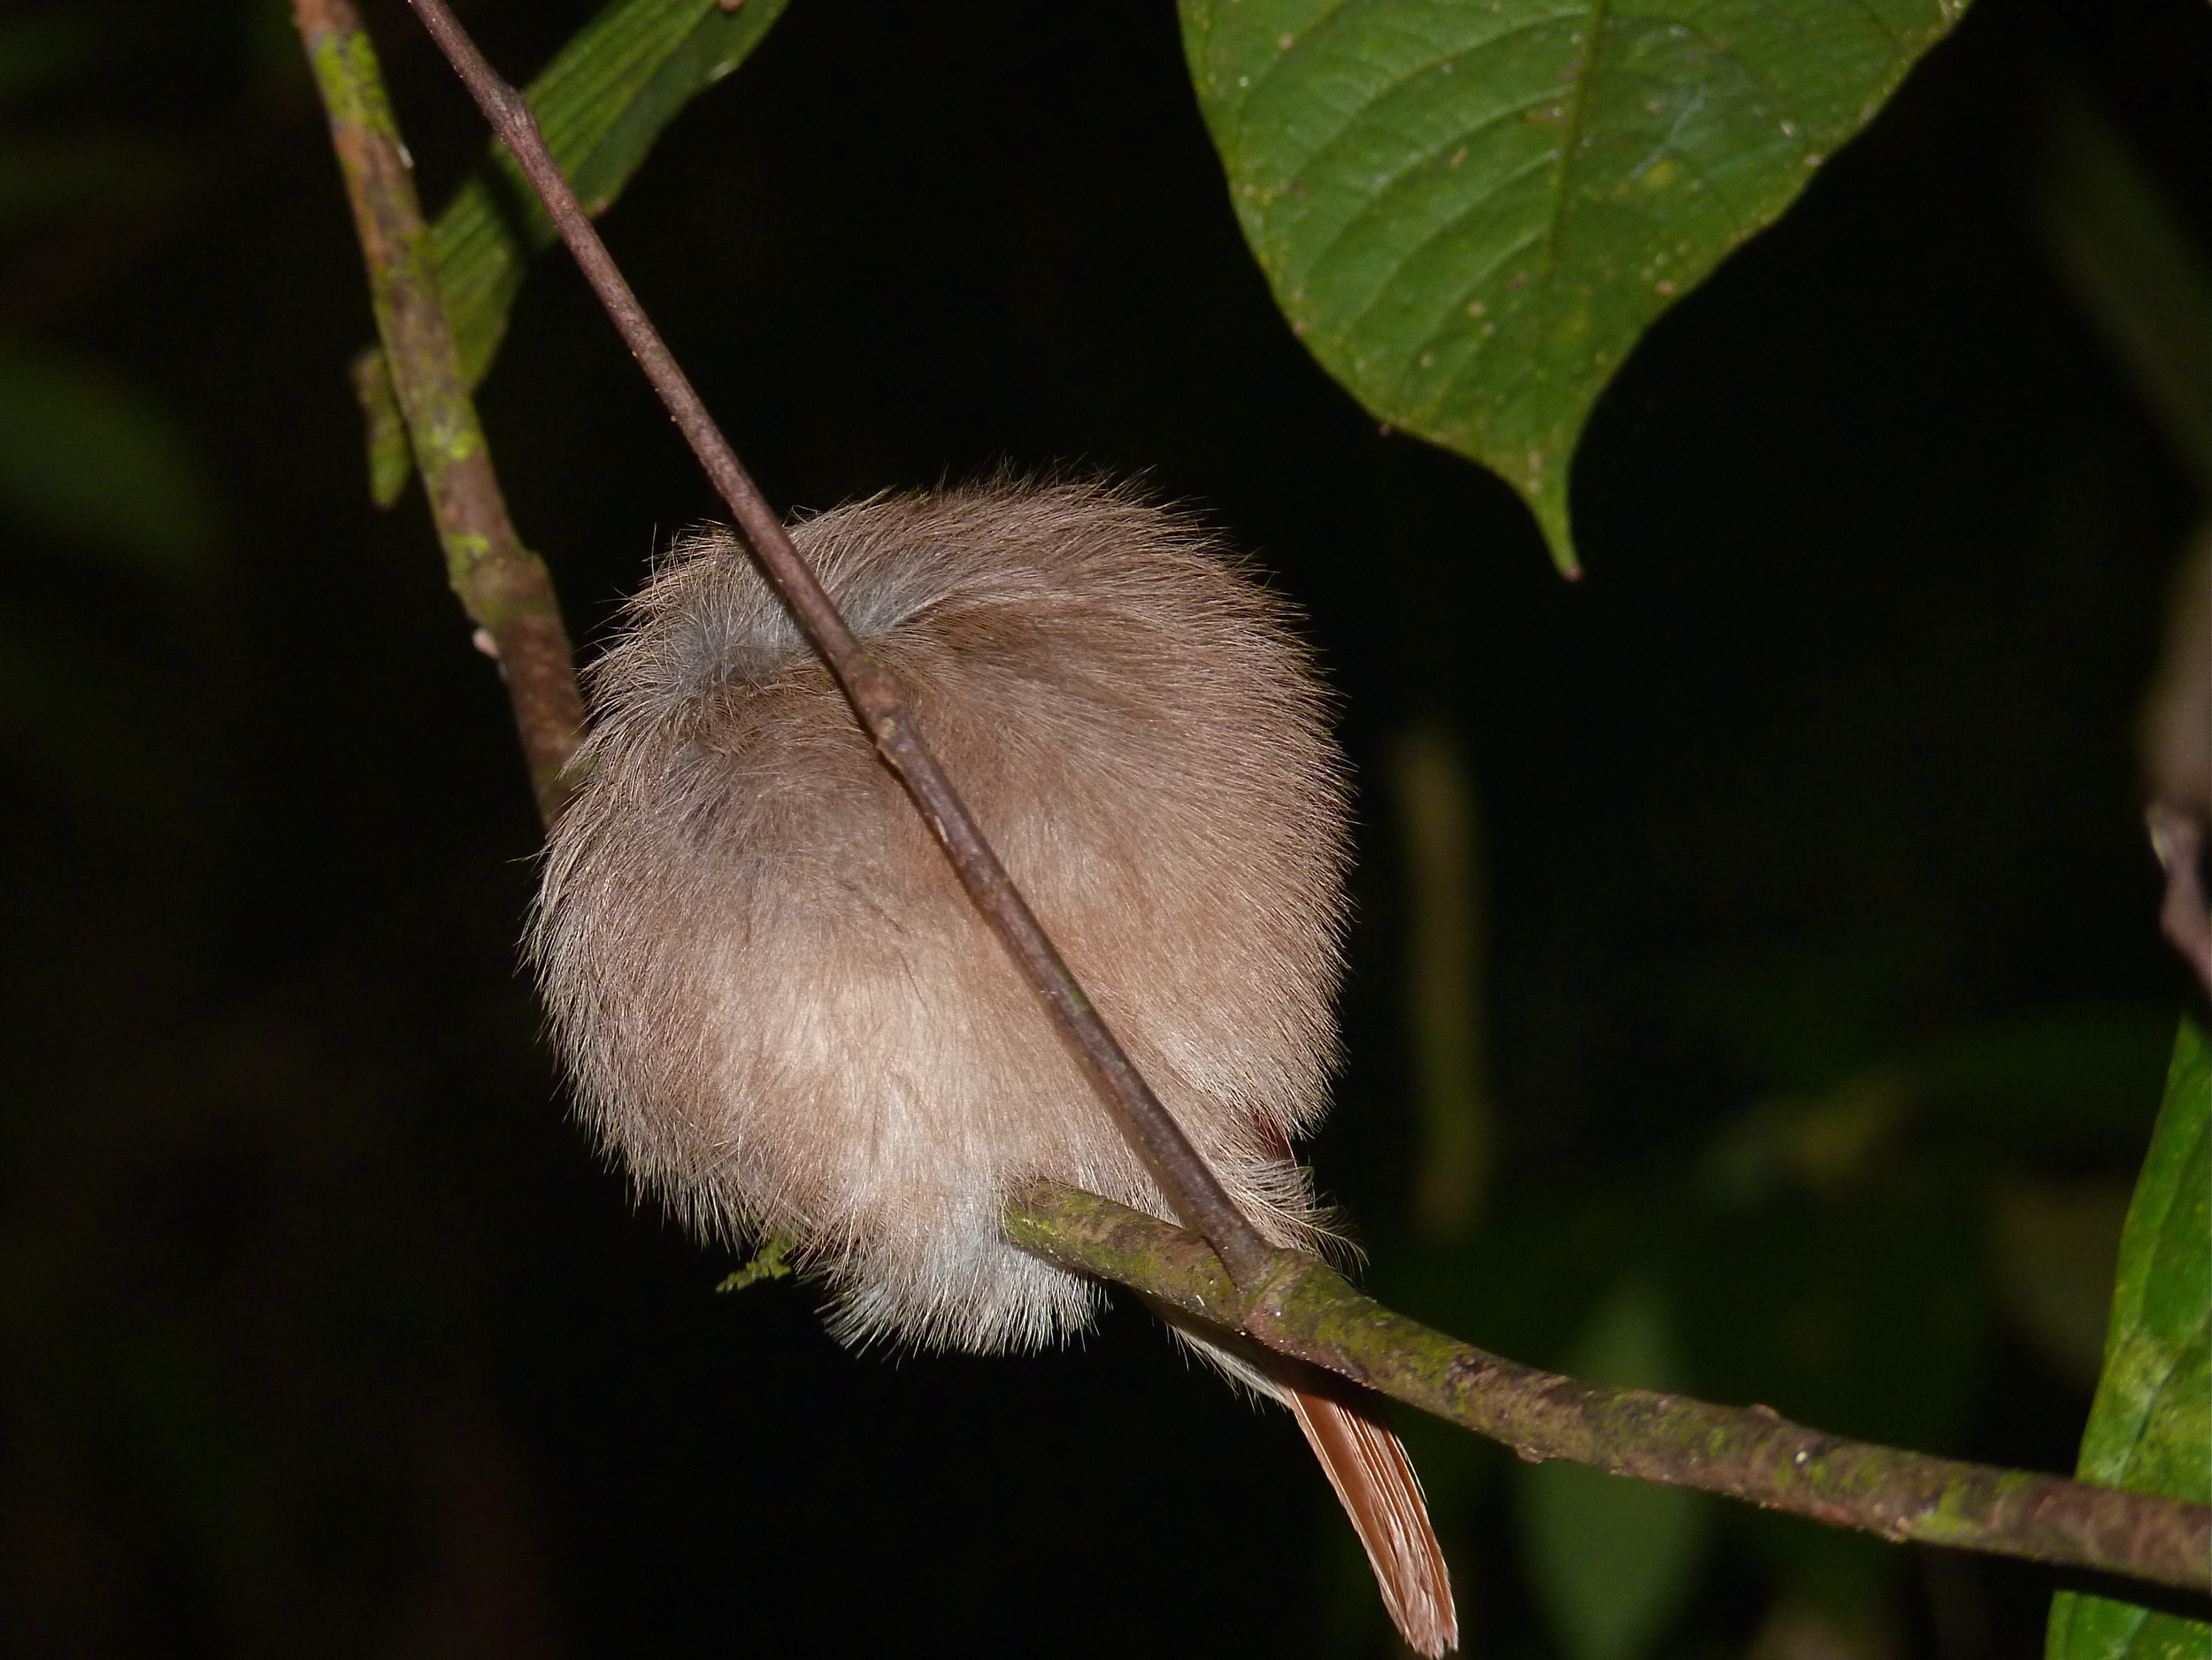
column 1302, row 1307
column 876, row 699
column 1288, row 1301
column 503, row 586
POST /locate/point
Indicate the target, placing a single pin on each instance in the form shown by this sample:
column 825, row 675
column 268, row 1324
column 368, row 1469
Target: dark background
column 325, row 1333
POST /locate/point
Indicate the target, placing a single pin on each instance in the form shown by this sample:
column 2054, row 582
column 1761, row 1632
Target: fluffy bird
column 782, row 1012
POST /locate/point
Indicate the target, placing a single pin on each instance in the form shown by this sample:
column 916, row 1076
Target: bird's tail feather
column 1373, row 1479
column 1377, row 1486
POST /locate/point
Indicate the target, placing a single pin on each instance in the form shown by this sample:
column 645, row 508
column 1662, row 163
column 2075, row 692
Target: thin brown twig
column 502, row 587
column 875, row 694
column 1306, row 1309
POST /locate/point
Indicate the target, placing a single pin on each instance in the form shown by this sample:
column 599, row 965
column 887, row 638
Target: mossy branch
column 1305, row 1308
column 1292, row 1303
column 503, row 586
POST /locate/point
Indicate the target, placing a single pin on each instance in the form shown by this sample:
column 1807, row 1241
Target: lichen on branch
column 503, row 586
column 1305, row 1308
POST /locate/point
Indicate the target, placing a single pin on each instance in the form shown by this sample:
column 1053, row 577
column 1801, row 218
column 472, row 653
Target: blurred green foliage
column 88, row 457
column 1841, row 1250
column 225, row 1429
column 1612, row 1561
column 1443, row 993
column 1842, row 1258
column 2122, row 247
column 1753, row 1057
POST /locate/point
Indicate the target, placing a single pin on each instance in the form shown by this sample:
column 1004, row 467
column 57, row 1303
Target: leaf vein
column 1360, row 110
column 1322, row 256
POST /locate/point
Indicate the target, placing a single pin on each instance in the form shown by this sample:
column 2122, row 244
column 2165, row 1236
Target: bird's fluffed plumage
column 780, row 1008
column 782, row 1011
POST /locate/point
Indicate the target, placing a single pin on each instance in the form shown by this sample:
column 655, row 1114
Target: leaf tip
column 1549, row 502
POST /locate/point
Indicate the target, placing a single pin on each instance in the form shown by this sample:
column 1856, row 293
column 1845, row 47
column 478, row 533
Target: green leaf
column 88, row 457
column 1471, row 211
column 2152, row 1422
column 601, row 103
column 1612, row 1560
column 768, row 1263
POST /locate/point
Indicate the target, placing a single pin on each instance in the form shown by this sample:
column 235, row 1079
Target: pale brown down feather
column 782, row 1012
column 780, row 1009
